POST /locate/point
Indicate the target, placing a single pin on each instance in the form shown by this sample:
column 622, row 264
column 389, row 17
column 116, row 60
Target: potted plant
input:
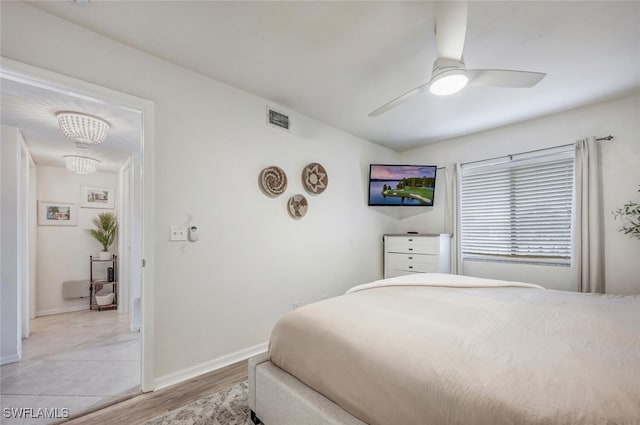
column 105, row 232
column 630, row 215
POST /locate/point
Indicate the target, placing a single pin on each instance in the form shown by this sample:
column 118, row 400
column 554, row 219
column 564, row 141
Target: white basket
column 104, row 299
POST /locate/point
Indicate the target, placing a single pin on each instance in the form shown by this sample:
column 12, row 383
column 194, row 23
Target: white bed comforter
column 443, row 349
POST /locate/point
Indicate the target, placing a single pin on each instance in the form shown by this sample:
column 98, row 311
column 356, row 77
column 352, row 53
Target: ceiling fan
column 450, row 74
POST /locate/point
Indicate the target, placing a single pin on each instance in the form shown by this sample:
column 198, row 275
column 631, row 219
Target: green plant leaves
column 106, row 229
column 630, row 215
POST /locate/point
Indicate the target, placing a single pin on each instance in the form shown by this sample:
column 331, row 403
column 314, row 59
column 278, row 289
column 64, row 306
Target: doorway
column 135, row 206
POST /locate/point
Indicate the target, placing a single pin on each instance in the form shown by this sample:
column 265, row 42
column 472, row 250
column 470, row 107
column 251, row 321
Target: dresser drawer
column 413, row 245
column 396, row 273
column 419, row 263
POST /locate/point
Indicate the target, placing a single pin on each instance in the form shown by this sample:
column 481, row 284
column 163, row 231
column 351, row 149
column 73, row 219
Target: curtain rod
column 599, row 139
column 609, row 137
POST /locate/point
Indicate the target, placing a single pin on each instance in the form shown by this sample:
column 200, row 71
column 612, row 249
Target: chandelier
column 83, row 128
column 81, row 164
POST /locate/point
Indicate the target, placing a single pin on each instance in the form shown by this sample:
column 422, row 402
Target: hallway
column 75, row 361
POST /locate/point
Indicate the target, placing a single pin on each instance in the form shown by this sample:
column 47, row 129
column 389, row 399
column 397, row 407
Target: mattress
column 445, row 349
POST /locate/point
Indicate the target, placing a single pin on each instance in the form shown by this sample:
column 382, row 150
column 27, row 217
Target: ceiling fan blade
column 400, row 99
column 451, row 28
column 504, row 78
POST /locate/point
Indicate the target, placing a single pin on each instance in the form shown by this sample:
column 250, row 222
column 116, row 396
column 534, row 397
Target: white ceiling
column 32, row 108
column 338, row 61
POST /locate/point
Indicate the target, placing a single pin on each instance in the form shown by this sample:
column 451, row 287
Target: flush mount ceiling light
column 83, row 128
column 81, row 164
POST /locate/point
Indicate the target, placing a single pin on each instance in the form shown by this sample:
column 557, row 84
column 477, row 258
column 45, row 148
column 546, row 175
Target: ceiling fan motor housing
column 448, row 76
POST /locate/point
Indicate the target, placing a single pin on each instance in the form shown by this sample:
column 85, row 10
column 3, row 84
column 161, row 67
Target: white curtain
column 451, row 214
column 587, row 256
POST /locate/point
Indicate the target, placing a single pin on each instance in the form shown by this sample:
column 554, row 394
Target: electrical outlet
column 178, row 233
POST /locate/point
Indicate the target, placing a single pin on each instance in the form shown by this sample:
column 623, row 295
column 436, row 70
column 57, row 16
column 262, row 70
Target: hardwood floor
column 147, row 406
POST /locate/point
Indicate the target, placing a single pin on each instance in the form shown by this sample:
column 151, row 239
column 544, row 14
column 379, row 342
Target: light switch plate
column 178, row 233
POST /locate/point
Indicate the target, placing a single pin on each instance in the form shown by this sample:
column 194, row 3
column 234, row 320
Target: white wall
column 10, row 266
column 25, row 233
column 33, row 239
column 63, row 251
column 223, row 294
column 620, row 176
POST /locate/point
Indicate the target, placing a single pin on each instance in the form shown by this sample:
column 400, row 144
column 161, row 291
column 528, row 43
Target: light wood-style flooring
column 77, row 361
column 147, row 406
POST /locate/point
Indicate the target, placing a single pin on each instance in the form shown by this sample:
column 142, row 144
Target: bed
column 446, row 349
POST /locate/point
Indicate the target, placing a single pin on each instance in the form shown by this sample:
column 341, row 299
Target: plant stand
column 95, row 285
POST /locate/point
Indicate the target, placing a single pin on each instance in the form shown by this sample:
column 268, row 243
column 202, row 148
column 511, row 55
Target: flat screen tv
column 401, row 185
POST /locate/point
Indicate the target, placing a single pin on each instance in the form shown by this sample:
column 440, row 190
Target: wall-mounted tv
column 401, row 185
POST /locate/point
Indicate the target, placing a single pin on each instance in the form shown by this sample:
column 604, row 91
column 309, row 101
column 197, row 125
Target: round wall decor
column 315, row 178
column 297, row 206
column 273, row 180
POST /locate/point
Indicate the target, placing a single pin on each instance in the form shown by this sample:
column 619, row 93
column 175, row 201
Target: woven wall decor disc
column 297, row 206
column 315, row 178
column 273, row 180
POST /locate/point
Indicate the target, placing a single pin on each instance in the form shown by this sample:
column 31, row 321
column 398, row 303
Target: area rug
column 226, row 407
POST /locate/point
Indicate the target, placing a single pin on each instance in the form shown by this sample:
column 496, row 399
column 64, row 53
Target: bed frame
column 277, row 398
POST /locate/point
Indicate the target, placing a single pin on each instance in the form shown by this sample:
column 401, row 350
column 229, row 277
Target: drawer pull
column 410, row 258
column 410, row 267
column 410, row 240
column 410, row 249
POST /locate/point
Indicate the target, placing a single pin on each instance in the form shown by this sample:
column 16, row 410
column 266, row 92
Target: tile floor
column 76, row 361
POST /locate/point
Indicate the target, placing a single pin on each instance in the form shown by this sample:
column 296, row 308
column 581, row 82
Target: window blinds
column 519, row 208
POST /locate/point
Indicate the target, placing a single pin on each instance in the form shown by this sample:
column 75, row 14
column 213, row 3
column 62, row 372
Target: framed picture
column 57, row 214
column 96, row 197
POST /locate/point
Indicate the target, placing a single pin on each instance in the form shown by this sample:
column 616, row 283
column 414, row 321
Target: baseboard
column 10, row 359
column 62, row 310
column 210, row 366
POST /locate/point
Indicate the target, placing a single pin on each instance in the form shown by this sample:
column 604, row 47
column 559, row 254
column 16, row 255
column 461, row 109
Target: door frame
column 25, row 241
column 143, row 179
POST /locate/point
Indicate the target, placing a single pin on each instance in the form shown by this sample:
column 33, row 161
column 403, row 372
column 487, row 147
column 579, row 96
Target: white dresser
column 419, row 253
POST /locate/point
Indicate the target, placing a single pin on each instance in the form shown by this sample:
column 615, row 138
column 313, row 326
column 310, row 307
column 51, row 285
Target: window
column 518, row 208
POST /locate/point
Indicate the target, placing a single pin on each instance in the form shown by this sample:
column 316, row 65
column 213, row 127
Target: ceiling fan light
column 449, row 82
column 83, row 128
column 81, row 164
